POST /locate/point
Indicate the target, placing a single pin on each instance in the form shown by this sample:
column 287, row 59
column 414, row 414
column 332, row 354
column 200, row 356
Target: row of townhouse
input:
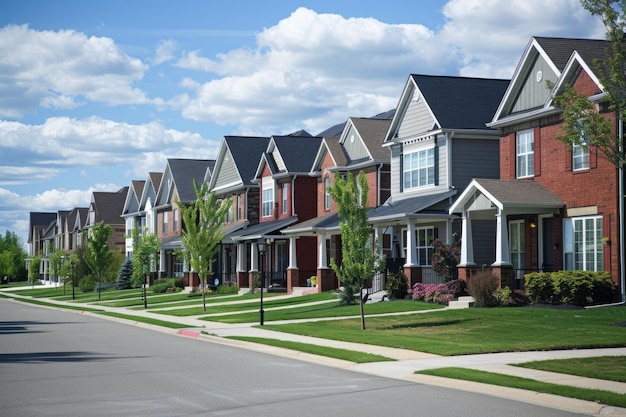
column 472, row 157
column 66, row 230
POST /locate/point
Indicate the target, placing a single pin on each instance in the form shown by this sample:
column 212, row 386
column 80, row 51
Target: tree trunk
column 361, row 302
column 204, row 293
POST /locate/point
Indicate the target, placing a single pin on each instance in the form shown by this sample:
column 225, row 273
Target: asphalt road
column 58, row 363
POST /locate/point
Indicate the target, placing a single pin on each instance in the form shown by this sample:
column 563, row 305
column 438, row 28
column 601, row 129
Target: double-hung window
column 582, row 243
column 285, row 195
column 268, row 197
column 424, row 241
column 165, row 216
column 580, row 156
column 327, row 193
column 525, row 153
column 418, row 169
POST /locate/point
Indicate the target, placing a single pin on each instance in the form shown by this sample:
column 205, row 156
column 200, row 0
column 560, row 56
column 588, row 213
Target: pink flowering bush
column 432, row 293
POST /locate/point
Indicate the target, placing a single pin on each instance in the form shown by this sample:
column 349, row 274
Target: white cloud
column 61, row 142
column 312, row 70
column 490, row 35
column 165, row 51
column 62, row 69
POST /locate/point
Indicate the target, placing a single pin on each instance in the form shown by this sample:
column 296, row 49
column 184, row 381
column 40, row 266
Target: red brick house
column 556, row 206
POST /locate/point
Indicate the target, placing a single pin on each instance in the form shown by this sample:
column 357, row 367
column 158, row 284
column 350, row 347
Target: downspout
column 620, row 181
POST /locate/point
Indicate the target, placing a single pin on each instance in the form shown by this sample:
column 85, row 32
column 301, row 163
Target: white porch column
column 241, row 256
column 378, row 248
column 411, row 250
column 293, row 262
column 161, row 260
column 254, row 267
column 321, row 251
column 467, row 243
column 502, row 240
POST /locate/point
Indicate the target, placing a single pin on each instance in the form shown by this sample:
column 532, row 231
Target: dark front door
column 548, row 245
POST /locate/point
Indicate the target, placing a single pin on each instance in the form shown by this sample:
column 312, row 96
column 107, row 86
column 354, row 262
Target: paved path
column 406, row 362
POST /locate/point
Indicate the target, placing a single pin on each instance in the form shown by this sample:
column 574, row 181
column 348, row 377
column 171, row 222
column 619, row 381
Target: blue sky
column 96, row 94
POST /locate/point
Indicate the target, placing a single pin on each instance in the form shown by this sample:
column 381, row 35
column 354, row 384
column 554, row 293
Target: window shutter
column 401, row 171
column 436, row 165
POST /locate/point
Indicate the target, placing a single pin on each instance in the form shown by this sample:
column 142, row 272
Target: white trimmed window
column 582, row 243
column 580, row 157
column 268, row 197
column 418, row 169
column 517, row 244
column 285, row 195
column 175, row 220
column 424, row 242
column 165, row 216
column 525, row 153
column 327, row 193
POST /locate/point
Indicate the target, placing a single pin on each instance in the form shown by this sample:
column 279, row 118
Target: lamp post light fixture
column 261, row 249
column 72, row 266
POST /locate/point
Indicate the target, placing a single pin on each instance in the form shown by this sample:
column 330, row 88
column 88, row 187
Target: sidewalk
column 406, row 362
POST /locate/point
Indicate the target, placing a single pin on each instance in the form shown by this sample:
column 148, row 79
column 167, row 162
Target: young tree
column 583, row 124
column 359, row 262
column 125, row 274
column 144, row 250
column 98, row 256
column 33, row 269
column 12, row 257
column 203, row 221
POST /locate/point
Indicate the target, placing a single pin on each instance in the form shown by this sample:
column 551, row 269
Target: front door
column 548, row 245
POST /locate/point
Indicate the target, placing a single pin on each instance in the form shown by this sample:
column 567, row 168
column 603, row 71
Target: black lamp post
column 73, row 294
column 261, row 248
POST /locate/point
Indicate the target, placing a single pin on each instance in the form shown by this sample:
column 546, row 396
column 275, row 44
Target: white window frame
column 165, row 221
column 517, row 244
column 582, row 243
column 418, row 169
column 267, row 203
column 285, row 188
column 327, row 193
column 525, row 153
column 176, row 220
column 423, row 247
column 580, row 157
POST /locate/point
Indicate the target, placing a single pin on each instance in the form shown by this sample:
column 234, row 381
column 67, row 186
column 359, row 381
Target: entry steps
column 461, row 302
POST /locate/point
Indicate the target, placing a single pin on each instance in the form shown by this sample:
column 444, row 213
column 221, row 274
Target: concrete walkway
column 406, row 362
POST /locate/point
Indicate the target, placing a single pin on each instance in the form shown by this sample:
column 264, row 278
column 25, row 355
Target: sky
column 95, row 94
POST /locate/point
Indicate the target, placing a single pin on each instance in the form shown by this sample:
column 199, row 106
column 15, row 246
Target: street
column 59, row 363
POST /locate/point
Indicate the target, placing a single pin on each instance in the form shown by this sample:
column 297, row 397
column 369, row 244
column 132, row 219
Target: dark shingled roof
column 298, row 152
column 245, row 151
column 560, row 49
column 461, row 102
column 336, row 130
column 519, row 193
column 39, row 219
column 373, row 132
column 406, row 206
column 184, row 172
column 109, row 206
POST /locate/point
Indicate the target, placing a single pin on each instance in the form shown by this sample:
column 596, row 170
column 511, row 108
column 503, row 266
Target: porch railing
column 229, row 278
column 378, row 283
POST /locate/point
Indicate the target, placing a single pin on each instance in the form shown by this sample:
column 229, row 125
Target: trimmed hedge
column 570, row 287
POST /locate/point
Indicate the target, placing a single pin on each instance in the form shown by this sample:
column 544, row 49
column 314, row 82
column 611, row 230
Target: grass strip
column 336, row 353
column 253, row 305
column 599, row 396
column 611, row 368
column 147, row 320
column 328, row 310
column 47, row 304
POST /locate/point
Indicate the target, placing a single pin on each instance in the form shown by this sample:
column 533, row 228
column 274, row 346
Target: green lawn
column 599, row 396
column 343, row 354
column 323, row 311
column 478, row 330
column 330, row 297
column 611, row 368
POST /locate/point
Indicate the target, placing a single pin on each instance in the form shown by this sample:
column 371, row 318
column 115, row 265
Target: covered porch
column 528, row 228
